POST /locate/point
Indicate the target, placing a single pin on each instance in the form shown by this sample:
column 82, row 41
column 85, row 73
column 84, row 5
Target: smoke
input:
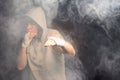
column 88, row 11
column 74, row 69
column 14, row 33
column 109, row 63
column 98, row 8
column 92, row 23
column 103, row 11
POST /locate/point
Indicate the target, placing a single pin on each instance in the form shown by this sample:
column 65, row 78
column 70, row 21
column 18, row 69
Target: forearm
column 22, row 59
column 69, row 48
column 61, row 43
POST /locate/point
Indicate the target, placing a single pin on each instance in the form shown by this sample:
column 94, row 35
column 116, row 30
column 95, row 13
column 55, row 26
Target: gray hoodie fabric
column 45, row 63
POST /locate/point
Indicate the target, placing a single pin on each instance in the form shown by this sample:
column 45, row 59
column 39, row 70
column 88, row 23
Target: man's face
column 32, row 29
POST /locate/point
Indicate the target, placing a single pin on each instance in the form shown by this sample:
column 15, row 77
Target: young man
column 42, row 49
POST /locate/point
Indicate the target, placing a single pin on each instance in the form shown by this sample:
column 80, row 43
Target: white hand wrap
column 26, row 41
column 59, row 42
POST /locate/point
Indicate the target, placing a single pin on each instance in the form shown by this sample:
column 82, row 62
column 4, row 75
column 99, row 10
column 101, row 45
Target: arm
column 69, row 48
column 22, row 59
column 56, row 39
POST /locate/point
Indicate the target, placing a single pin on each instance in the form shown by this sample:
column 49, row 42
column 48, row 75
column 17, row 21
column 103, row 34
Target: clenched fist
column 52, row 41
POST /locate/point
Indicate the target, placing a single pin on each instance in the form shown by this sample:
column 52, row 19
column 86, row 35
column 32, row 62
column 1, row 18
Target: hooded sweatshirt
column 45, row 63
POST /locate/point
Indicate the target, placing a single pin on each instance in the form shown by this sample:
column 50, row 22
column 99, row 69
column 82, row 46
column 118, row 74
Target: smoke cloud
column 93, row 25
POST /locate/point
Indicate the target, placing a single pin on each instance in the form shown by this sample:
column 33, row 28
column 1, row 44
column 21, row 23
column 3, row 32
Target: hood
column 37, row 14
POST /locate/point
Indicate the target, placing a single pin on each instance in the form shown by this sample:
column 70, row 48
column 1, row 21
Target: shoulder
column 55, row 31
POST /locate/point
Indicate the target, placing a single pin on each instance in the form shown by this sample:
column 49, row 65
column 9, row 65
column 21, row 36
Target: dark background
column 93, row 25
